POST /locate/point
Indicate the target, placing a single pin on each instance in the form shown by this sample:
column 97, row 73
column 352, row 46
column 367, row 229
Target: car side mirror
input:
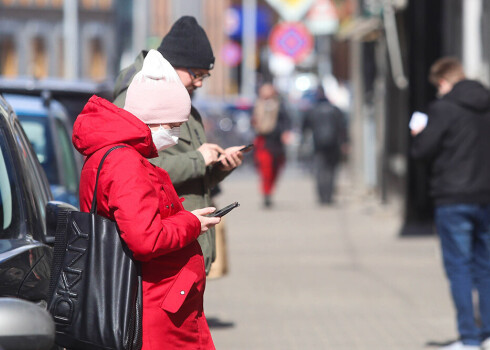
column 25, row 326
column 55, row 212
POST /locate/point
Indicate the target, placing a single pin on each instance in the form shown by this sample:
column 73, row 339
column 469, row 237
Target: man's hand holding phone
column 231, row 157
column 210, row 152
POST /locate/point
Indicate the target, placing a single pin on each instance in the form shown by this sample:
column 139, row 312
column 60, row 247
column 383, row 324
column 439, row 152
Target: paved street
column 309, row 277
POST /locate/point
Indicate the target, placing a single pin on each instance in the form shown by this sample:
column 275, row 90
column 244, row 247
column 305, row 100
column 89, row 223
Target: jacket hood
column 470, row 94
column 102, row 124
column 127, row 75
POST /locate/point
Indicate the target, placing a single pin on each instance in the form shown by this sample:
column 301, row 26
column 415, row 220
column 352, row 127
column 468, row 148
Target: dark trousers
column 464, row 230
column 325, row 170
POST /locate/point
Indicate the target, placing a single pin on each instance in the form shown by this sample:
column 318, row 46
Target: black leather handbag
column 95, row 286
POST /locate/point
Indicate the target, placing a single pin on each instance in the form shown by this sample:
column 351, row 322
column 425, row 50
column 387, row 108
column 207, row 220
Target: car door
column 25, row 256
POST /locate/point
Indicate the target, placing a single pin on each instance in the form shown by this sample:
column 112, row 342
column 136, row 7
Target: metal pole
column 472, row 43
column 140, row 26
column 249, row 48
column 70, row 34
column 393, row 42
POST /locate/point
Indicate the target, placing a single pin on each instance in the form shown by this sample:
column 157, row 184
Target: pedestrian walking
column 140, row 197
column 456, row 140
column 194, row 165
column 327, row 126
column 271, row 124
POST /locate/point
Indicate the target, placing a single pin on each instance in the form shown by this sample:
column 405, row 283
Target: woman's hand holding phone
column 206, row 221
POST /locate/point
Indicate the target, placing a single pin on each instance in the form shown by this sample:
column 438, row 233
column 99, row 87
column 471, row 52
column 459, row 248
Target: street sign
column 322, row 18
column 291, row 39
column 291, row 10
column 231, row 53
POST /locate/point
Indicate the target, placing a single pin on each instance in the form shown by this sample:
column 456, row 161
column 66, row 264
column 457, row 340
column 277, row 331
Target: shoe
column 485, row 345
column 267, row 201
column 459, row 346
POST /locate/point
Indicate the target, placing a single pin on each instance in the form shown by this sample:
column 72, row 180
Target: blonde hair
column 448, row 68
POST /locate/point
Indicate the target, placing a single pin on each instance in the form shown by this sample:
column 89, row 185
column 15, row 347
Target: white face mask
column 164, row 138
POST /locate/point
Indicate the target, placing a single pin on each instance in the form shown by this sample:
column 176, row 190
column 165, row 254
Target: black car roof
column 73, row 94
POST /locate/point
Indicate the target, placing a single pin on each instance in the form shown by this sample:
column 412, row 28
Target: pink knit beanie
column 156, row 95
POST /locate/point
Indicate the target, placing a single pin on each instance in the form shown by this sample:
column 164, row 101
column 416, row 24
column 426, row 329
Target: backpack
column 325, row 127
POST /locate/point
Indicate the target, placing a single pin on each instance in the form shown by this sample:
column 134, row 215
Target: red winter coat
column 161, row 234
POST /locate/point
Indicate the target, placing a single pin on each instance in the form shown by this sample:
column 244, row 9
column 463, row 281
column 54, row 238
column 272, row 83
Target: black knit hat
column 187, row 45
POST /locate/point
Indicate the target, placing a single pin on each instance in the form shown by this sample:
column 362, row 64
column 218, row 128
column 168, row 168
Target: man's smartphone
column 225, row 210
column 246, row 148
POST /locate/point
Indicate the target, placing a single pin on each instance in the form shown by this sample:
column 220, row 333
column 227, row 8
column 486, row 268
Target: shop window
column 98, row 61
column 39, row 60
column 60, row 68
column 8, row 58
column 8, row 2
column 89, row 4
column 105, row 4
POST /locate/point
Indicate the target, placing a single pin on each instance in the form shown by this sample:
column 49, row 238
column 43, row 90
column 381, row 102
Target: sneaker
column 459, row 346
column 485, row 345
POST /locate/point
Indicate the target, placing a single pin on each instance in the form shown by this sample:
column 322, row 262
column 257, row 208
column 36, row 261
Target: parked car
column 72, row 94
column 25, row 326
column 48, row 128
column 25, row 245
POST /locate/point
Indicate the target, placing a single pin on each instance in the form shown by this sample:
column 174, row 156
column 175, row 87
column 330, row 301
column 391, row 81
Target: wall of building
column 31, row 39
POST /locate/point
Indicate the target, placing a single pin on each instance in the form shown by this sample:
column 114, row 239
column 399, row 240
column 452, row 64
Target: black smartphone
column 225, row 210
column 246, row 148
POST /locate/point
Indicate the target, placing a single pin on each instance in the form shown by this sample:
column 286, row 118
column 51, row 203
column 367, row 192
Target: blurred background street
column 309, row 277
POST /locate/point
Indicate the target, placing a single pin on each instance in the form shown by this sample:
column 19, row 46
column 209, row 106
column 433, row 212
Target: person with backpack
column 271, row 125
column 327, row 126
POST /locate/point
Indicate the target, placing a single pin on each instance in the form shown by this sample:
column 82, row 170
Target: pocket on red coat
column 179, row 290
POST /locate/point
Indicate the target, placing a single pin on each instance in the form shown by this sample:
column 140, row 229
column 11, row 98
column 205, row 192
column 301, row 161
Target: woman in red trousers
column 271, row 125
column 142, row 200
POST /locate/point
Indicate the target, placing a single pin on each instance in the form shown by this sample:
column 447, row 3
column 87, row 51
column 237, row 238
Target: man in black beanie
column 194, row 166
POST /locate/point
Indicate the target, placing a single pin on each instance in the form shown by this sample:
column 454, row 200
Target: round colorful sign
column 231, row 53
column 291, row 39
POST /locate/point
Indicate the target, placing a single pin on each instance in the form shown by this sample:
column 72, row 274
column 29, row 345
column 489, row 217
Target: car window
column 38, row 132
column 69, row 167
column 9, row 196
column 36, row 183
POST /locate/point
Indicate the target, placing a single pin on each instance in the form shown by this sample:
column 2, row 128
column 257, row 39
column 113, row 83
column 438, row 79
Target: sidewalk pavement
column 303, row 276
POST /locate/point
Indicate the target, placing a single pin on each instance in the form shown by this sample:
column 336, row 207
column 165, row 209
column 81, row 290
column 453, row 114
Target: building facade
column 32, row 39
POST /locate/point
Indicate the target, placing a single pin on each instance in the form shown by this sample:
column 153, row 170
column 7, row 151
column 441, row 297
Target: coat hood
column 102, row 124
column 126, row 76
column 470, row 94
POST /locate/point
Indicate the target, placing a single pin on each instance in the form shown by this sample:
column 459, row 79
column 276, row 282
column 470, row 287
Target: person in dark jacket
column 194, row 165
column 456, row 142
column 326, row 123
column 271, row 125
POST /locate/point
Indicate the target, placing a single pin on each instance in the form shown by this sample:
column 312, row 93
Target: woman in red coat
column 142, row 200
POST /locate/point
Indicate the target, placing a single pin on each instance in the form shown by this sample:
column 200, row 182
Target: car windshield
column 9, row 201
column 38, row 132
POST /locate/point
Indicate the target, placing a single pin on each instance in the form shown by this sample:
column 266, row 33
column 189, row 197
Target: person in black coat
column 456, row 143
column 327, row 125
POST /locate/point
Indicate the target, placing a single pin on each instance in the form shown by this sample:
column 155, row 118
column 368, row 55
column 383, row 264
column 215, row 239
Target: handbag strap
column 93, row 208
